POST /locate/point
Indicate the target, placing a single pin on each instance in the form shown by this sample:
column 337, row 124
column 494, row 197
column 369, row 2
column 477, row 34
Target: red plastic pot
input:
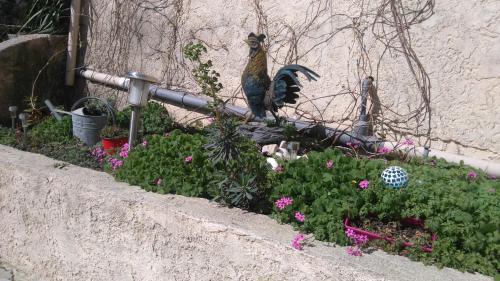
column 110, row 145
column 374, row 236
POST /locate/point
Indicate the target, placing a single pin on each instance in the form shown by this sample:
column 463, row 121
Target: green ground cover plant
column 457, row 203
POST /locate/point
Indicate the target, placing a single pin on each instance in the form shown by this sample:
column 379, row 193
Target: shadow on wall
column 31, row 64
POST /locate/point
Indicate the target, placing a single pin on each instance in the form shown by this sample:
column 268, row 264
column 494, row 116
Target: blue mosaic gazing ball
column 395, row 177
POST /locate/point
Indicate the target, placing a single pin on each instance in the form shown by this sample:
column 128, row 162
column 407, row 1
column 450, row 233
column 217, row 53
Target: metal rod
column 134, row 124
column 361, row 128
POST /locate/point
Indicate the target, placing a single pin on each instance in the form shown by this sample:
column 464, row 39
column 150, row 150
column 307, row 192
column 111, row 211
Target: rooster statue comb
column 263, row 93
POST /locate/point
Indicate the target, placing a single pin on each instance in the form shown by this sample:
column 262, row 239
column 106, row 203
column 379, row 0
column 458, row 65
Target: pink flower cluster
column 471, row 175
column 99, row 154
column 157, row 181
column 354, row 251
column 364, row 184
column 115, row 163
column 329, row 164
column 300, row 216
column 383, row 150
column 358, row 239
column 279, row 169
column 297, row 241
column 283, row 202
column 408, row 142
column 124, row 150
column 188, row 159
column 353, row 144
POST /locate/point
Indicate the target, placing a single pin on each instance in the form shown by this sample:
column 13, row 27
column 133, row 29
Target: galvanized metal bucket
column 87, row 127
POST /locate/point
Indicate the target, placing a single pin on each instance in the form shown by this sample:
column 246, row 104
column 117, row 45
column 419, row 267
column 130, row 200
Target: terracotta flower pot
column 110, row 145
column 374, row 236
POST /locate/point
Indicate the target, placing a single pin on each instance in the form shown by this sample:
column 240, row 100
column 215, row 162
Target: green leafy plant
column 460, row 209
column 165, row 158
column 207, row 78
column 155, row 119
column 237, row 186
column 7, row 137
column 50, row 130
column 239, row 191
column 94, row 108
column 46, row 16
column 72, row 152
column 113, row 132
column 224, row 142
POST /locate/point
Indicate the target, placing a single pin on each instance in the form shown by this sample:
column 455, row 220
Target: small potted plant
column 113, row 137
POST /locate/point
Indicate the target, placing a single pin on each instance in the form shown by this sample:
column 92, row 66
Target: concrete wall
column 56, row 226
column 457, row 44
column 31, row 64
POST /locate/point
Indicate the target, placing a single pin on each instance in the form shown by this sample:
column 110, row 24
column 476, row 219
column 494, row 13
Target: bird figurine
column 263, row 93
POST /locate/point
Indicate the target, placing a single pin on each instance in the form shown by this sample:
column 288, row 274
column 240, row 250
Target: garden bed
column 315, row 195
column 56, row 226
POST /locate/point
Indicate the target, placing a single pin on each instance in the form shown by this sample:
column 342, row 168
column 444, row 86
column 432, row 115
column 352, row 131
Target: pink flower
column 125, row 146
column 283, row 202
column 359, row 239
column 279, row 169
column 157, row 181
column 145, row 143
column 188, row 159
column 353, row 144
column 298, row 241
column 383, row 150
column 364, row 184
column 407, row 142
column 99, row 154
column 493, row 177
column 329, row 164
column 300, row 217
column 115, row 163
column 354, row 251
column 472, row 175
column 124, row 153
column 124, row 150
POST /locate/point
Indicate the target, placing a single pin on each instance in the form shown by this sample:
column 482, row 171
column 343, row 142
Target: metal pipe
column 365, row 88
column 134, row 124
column 105, row 79
column 361, row 127
column 74, row 30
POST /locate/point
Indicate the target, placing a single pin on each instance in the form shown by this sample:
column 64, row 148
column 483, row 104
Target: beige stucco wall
column 70, row 223
column 458, row 47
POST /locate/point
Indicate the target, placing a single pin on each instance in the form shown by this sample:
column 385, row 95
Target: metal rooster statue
column 263, row 93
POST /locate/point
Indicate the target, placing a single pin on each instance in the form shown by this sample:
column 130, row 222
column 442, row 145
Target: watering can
column 85, row 127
